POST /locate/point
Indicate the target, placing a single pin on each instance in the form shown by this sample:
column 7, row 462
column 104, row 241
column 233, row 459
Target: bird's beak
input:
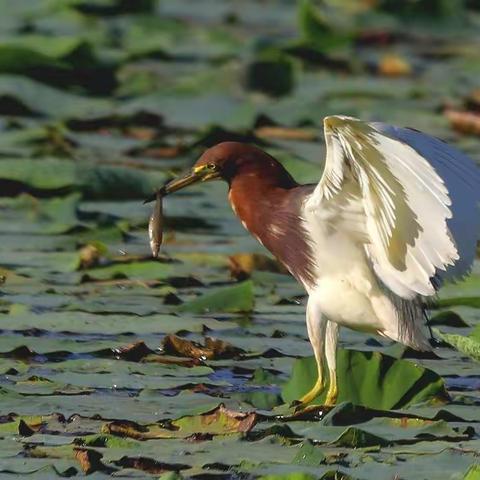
column 202, row 173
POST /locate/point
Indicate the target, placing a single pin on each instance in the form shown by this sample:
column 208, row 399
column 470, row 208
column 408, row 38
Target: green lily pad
column 318, row 30
column 448, row 318
column 47, row 174
column 463, row 293
column 473, row 473
column 46, row 216
column 219, row 421
column 237, row 298
column 147, row 270
column 469, row 345
column 309, row 454
column 370, row 379
column 289, row 476
column 94, row 181
column 39, row 99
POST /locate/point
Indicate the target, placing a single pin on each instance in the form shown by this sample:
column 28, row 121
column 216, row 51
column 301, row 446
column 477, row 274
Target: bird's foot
column 303, row 403
column 315, row 392
column 332, row 395
column 310, row 412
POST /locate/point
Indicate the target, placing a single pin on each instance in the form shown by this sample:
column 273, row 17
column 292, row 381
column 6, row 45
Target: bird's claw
column 304, row 403
column 309, row 412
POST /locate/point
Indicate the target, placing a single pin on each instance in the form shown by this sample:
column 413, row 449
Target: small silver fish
column 155, row 225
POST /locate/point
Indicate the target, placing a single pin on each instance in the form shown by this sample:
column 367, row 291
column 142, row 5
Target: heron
column 394, row 216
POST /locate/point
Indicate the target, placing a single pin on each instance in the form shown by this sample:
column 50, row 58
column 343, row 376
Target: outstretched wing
column 418, row 196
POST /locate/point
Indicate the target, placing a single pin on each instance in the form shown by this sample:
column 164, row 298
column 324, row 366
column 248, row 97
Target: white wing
column 420, row 200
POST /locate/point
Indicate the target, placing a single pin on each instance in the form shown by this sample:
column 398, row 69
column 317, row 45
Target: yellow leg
column 314, row 392
column 332, row 392
column 316, row 325
column 331, row 337
column 323, row 335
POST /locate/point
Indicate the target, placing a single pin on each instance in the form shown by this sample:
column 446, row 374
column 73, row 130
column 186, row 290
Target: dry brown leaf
column 26, row 430
column 219, row 421
column 168, row 360
column 392, row 65
column 21, row 352
column 464, row 121
column 473, row 100
column 132, row 352
column 150, row 465
column 163, row 152
column 213, row 348
column 127, row 428
column 89, row 256
column 242, row 265
column 222, row 349
column 89, row 460
column 231, row 421
column 286, row 133
column 141, row 133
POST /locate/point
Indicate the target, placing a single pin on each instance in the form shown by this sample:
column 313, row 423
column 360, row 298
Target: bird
column 394, row 216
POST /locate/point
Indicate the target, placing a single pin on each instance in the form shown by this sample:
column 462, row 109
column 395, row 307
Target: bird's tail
column 403, row 320
column 411, row 329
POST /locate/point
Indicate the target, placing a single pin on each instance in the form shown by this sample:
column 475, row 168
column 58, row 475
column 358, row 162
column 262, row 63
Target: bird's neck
column 253, row 200
column 272, row 212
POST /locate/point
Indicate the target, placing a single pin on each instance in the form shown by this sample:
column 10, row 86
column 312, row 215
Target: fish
column 155, row 225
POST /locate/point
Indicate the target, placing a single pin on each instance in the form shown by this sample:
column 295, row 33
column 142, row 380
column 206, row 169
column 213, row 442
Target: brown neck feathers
column 269, row 203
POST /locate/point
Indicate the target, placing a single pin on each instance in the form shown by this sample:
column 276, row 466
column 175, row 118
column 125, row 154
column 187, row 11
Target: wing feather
column 420, row 200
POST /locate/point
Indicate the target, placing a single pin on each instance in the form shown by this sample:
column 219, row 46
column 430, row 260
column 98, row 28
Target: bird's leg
column 316, row 325
column 331, row 337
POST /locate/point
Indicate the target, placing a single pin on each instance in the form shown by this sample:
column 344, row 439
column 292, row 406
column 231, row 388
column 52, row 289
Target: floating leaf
column 89, row 460
column 356, row 438
column 58, row 60
column 450, row 10
column 219, row 421
column 147, row 270
column 394, row 66
column 58, row 176
column 121, row 183
column 464, row 121
column 370, row 379
column 449, row 319
column 242, row 265
column 33, row 98
column 214, row 349
column 150, row 465
column 290, row 476
column 309, row 454
column 236, row 298
column 270, row 75
column 473, row 473
column 469, row 345
column 45, row 174
column 42, row 216
column 318, row 30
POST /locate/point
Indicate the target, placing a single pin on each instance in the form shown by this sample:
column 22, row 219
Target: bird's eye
column 212, row 166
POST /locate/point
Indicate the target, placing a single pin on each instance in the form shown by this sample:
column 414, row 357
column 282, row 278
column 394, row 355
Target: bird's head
column 227, row 161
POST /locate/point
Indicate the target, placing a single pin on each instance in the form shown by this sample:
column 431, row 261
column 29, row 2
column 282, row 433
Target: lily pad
column 35, row 98
column 473, row 473
column 469, row 345
column 237, row 298
column 370, row 379
column 219, row 421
